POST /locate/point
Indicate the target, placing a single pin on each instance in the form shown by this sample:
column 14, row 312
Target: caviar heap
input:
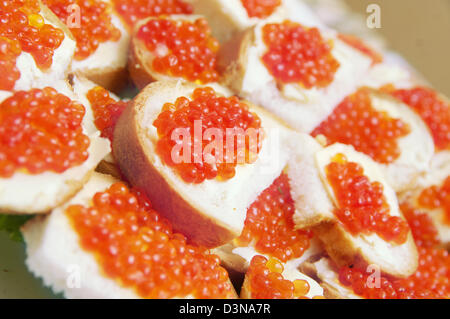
column 41, row 130
column 436, row 197
column 106, row 110
column 362, row 206
column 203, row 155
column 361, row 46
column 260, row 8
column 182, row 48
column 433, row 110
column 297, row 54
column 270, row 227
column 265, row 281
column 430, row 281
column 134, row 10
column 137, row 247
column 23, row 29
column 95, row 26
column 356, row 122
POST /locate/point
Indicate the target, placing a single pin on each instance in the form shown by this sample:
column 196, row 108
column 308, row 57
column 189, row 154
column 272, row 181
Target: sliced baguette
column 341, row 246
column 303, row 109
column 36, row 194
column 211, row 213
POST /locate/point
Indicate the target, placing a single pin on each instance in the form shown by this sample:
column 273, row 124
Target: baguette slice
column 211, row 213
column 37, row 194
column 54, row 253
column 341, row 246
column 31, row 76
column 303, row 109
column 228, row 17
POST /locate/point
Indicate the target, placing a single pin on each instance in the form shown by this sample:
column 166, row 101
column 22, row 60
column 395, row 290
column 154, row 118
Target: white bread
column 343, row 248
column 32, row 194
column 211, row 213
column 31, row 76
column 303, row 109
column 228, row 17
column 107, row 65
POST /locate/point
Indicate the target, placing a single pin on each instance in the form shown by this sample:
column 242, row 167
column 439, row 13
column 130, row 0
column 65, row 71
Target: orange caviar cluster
column 260, row 8
column 269, row 225
column 266, row 281
column 362, row 207
column 182, row 48
column 9, row 51
column 430, row 281
column 137, row 247
column 361, row 46
column 95, row 24
column 356, row 122
column 436, row 197
column 26, row 31
column 41, row 130
column 210, row 126
column 134, row 10
column 297, row 54
column 106, row 110
column 433, row 110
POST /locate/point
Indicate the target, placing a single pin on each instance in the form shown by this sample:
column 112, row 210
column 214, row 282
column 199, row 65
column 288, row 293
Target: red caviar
column 106, row 110
column 361, row 46
column 201, row 156
column 422, row 227
column 22, row 24
column 260, row 8
column 41, row 130
column 182, row 48
column 9, row 51
column 297, row 54
column 136, row 246
column 436, row 197
column 265, row 281
column 356, row 122
column 433, row 110
column 270, row 226
column 95, row 27
column 430, row 281
column 134, row 10
column 362, row 206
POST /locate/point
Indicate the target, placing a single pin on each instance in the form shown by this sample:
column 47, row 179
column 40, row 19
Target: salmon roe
column 265, row 281
column 362, row 206
column 361, row 46
column 26, row 29
column 260, row 8
column 356, row 122
column 202, row 155
column 9, row 52
column 95, row 27
column 182, row 48
column 430, row 281
column 106, row 110
column 269, row 225
column 134, row 245
column 41, row 130
column 434, row 111
column 436, row 197
column 297, row 54
column 134, row 10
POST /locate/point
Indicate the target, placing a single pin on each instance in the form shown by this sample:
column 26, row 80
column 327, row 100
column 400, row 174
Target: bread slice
column 341, row 246
column 31, row 76
column 211, row 213
column 34, row 194
column 303, row 109
column 228, row 17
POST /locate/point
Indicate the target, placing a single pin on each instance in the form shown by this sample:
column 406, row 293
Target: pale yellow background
column 420, row 31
